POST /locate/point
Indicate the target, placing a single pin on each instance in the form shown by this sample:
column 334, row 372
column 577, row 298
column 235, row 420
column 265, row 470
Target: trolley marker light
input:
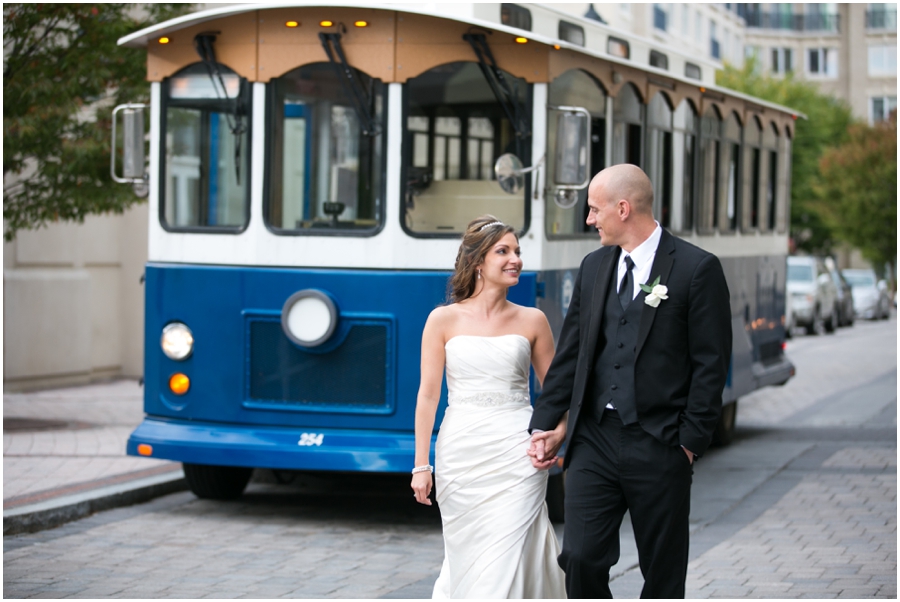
column 179, row 383
column 292, row 24
column 145, row 450
column 164, row 40
column 309, row 318
column 326, row 23
column 361, row 23
column 521, row 40
column 177, row 341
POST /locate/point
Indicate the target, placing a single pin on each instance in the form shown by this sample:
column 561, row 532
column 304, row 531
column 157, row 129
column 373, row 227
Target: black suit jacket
column 683, row 349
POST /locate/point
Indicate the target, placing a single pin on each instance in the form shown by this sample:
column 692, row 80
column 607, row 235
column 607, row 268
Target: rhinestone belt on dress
column 490, row 398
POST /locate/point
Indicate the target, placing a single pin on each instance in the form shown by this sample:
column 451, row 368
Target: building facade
column 848, row 50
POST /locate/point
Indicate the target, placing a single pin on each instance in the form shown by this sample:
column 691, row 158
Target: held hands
column 545, row 445
column 421, row 485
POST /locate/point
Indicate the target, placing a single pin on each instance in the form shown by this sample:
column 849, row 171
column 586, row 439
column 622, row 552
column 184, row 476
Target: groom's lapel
column 662, row 265
column 598, row 299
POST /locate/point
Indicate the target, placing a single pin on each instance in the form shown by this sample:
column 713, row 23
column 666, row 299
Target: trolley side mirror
column 510, row 172
column 133, row 145
column 572, row 154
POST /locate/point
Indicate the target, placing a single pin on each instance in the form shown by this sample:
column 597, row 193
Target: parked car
column 845, row 311
column 814, row 298
column 870, row 296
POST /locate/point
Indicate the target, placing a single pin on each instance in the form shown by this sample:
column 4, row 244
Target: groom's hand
column 539, row 451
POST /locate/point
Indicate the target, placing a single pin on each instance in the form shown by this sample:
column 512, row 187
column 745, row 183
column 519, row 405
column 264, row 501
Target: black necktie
column 626, row 291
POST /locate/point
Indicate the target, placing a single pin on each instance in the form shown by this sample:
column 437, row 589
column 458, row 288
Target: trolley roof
column 141, row 38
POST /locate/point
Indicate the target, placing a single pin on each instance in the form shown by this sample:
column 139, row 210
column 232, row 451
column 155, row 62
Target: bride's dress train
column 498, row 540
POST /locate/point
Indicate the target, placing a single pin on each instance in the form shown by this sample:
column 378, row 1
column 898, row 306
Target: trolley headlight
column 176, row 341
column 309, row 318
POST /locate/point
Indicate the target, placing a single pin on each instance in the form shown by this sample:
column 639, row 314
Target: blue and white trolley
column 310, row 171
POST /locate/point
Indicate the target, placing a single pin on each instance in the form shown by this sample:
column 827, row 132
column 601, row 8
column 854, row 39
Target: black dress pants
column 614, row 468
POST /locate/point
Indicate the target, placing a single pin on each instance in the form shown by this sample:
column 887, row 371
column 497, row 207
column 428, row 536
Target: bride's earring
column 479, row 274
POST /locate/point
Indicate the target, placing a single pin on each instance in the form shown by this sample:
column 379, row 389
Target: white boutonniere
column 656, row 292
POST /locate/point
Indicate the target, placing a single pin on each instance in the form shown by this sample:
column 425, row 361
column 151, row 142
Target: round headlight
column 176, row 341
column 309, row 318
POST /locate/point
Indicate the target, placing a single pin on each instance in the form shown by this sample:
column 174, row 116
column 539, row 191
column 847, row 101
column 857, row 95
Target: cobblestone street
column 803, row 504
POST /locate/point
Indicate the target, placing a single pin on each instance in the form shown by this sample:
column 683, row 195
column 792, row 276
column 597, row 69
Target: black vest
column 613, row 376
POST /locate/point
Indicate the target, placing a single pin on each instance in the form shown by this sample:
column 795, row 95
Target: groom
column 640, row 366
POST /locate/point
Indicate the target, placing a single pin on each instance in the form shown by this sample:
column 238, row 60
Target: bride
column 498, row 540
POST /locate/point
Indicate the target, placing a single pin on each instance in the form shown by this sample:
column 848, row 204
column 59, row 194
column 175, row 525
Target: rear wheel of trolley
column 217, row 482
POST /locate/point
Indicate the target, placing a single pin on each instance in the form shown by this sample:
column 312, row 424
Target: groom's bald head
column 627, row 182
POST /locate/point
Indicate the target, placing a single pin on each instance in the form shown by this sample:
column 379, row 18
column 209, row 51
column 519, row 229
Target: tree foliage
column 826, row 126
column 62, row 73
column 859, row 189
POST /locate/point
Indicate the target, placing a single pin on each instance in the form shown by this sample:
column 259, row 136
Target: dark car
column 845, row 312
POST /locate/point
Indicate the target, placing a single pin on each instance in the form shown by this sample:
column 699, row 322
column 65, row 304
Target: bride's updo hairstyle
column 481, row 234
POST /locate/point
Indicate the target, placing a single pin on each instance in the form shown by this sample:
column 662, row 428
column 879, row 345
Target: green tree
column 859, row 190
column 826, row 126
column 62, row 72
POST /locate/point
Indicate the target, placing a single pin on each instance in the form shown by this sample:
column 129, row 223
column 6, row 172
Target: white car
column 870, row 297
column 813, row 295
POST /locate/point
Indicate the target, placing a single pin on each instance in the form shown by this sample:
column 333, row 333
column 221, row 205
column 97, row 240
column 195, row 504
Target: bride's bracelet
column 426, row 468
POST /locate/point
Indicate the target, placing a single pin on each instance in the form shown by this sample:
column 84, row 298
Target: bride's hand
column 421, row 485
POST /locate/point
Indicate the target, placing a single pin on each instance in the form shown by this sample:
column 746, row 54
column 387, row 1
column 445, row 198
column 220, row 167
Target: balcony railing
column 792, row 22
column 881, row 19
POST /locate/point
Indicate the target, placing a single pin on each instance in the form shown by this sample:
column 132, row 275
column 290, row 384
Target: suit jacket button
column 623, row 322
column 620, row 345
column 614, row 387
column 616, row 366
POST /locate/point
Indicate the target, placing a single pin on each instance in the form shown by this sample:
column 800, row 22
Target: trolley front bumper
column 273, row 447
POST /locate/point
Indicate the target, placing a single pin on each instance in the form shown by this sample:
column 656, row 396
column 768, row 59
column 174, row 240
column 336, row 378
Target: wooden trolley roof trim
column 724, row 98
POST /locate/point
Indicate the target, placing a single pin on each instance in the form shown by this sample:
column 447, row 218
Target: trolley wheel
column 724, row 433
column 556, row 497
column 217, row 482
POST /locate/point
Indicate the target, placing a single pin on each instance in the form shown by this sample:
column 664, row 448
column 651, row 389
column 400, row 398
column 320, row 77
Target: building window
column 659, row 17
column 881, row 107
column 883, row 60
column 514, row 15
column 822, row 62
column 692, row 71
column 821, row 17
column 782, row 60
column 714, row 49
column 882, row 16
column 659, row 60
column 618, row 47
column 569, row 32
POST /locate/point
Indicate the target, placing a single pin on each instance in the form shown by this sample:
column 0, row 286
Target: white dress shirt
column 642, row 256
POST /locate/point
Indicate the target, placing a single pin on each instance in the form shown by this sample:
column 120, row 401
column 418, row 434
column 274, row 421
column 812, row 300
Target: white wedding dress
column 498, row 540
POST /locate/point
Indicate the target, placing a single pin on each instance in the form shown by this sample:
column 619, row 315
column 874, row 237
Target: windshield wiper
column 203, row 43
column 506, row 97
column 362, row 100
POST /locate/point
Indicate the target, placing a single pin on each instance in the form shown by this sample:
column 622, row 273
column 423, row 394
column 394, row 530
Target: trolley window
column 685, row 166
column 618, row 47
column 628, row 127
column 769, row 176
column 455, row 129
column 659, row 140
column 710, row 141
column 753, row 171
column 325, row 173
column 514, row 15
column 205, row 150
column 731, row 175
column 659, row 60
column 692, row 71
column 569, row 32
column 784, row 182
column 576, row 88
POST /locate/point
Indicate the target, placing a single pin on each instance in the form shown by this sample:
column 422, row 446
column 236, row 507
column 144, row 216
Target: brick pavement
column 102, row 417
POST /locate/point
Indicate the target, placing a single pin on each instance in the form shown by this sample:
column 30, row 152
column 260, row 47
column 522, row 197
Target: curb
column 55, row 512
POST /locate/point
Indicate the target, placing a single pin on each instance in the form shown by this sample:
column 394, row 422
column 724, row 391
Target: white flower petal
column 652, row 300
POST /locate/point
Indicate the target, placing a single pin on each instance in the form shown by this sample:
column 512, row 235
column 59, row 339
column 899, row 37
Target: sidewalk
column 64, row 455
